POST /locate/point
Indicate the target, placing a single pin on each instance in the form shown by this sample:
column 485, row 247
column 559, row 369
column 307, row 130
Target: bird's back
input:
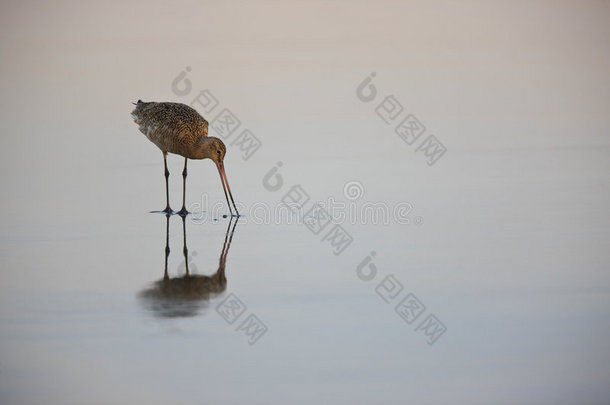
column 173, row 127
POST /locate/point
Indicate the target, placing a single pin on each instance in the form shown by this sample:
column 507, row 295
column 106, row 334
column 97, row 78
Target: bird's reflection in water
column 185, row 296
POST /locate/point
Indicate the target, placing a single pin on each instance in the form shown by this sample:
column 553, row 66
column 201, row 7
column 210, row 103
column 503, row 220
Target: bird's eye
column 218, row 152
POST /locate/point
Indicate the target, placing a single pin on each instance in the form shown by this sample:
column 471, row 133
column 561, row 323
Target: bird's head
column 211, row 148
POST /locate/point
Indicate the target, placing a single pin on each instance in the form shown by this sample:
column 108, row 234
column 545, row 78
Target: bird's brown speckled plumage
column 173, row 127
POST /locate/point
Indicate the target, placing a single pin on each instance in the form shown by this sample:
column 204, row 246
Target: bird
column 179, row 129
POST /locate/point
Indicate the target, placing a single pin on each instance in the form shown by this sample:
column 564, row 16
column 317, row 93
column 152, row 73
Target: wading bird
column 179, row 129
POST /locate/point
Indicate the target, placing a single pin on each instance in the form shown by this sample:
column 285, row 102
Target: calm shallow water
column 521, row 312
column 506, row 244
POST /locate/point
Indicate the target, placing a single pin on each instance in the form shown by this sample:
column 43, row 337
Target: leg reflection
column 165, row 276
column 187, row 295
column 185, row 250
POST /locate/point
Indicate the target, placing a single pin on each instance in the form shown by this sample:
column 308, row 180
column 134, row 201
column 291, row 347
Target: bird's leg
column 183, row 212
column 167, row 209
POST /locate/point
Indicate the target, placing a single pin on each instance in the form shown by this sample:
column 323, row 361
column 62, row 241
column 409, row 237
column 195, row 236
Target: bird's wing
column 169, row 120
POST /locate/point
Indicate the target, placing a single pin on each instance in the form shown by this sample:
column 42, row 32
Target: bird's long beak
column 225, row 187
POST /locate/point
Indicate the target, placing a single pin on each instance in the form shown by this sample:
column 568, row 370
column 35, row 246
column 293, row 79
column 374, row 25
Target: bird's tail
column 135, row 114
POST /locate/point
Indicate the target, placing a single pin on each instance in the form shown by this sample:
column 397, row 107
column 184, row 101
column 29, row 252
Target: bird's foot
column 166, row 211
column 231, row 215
